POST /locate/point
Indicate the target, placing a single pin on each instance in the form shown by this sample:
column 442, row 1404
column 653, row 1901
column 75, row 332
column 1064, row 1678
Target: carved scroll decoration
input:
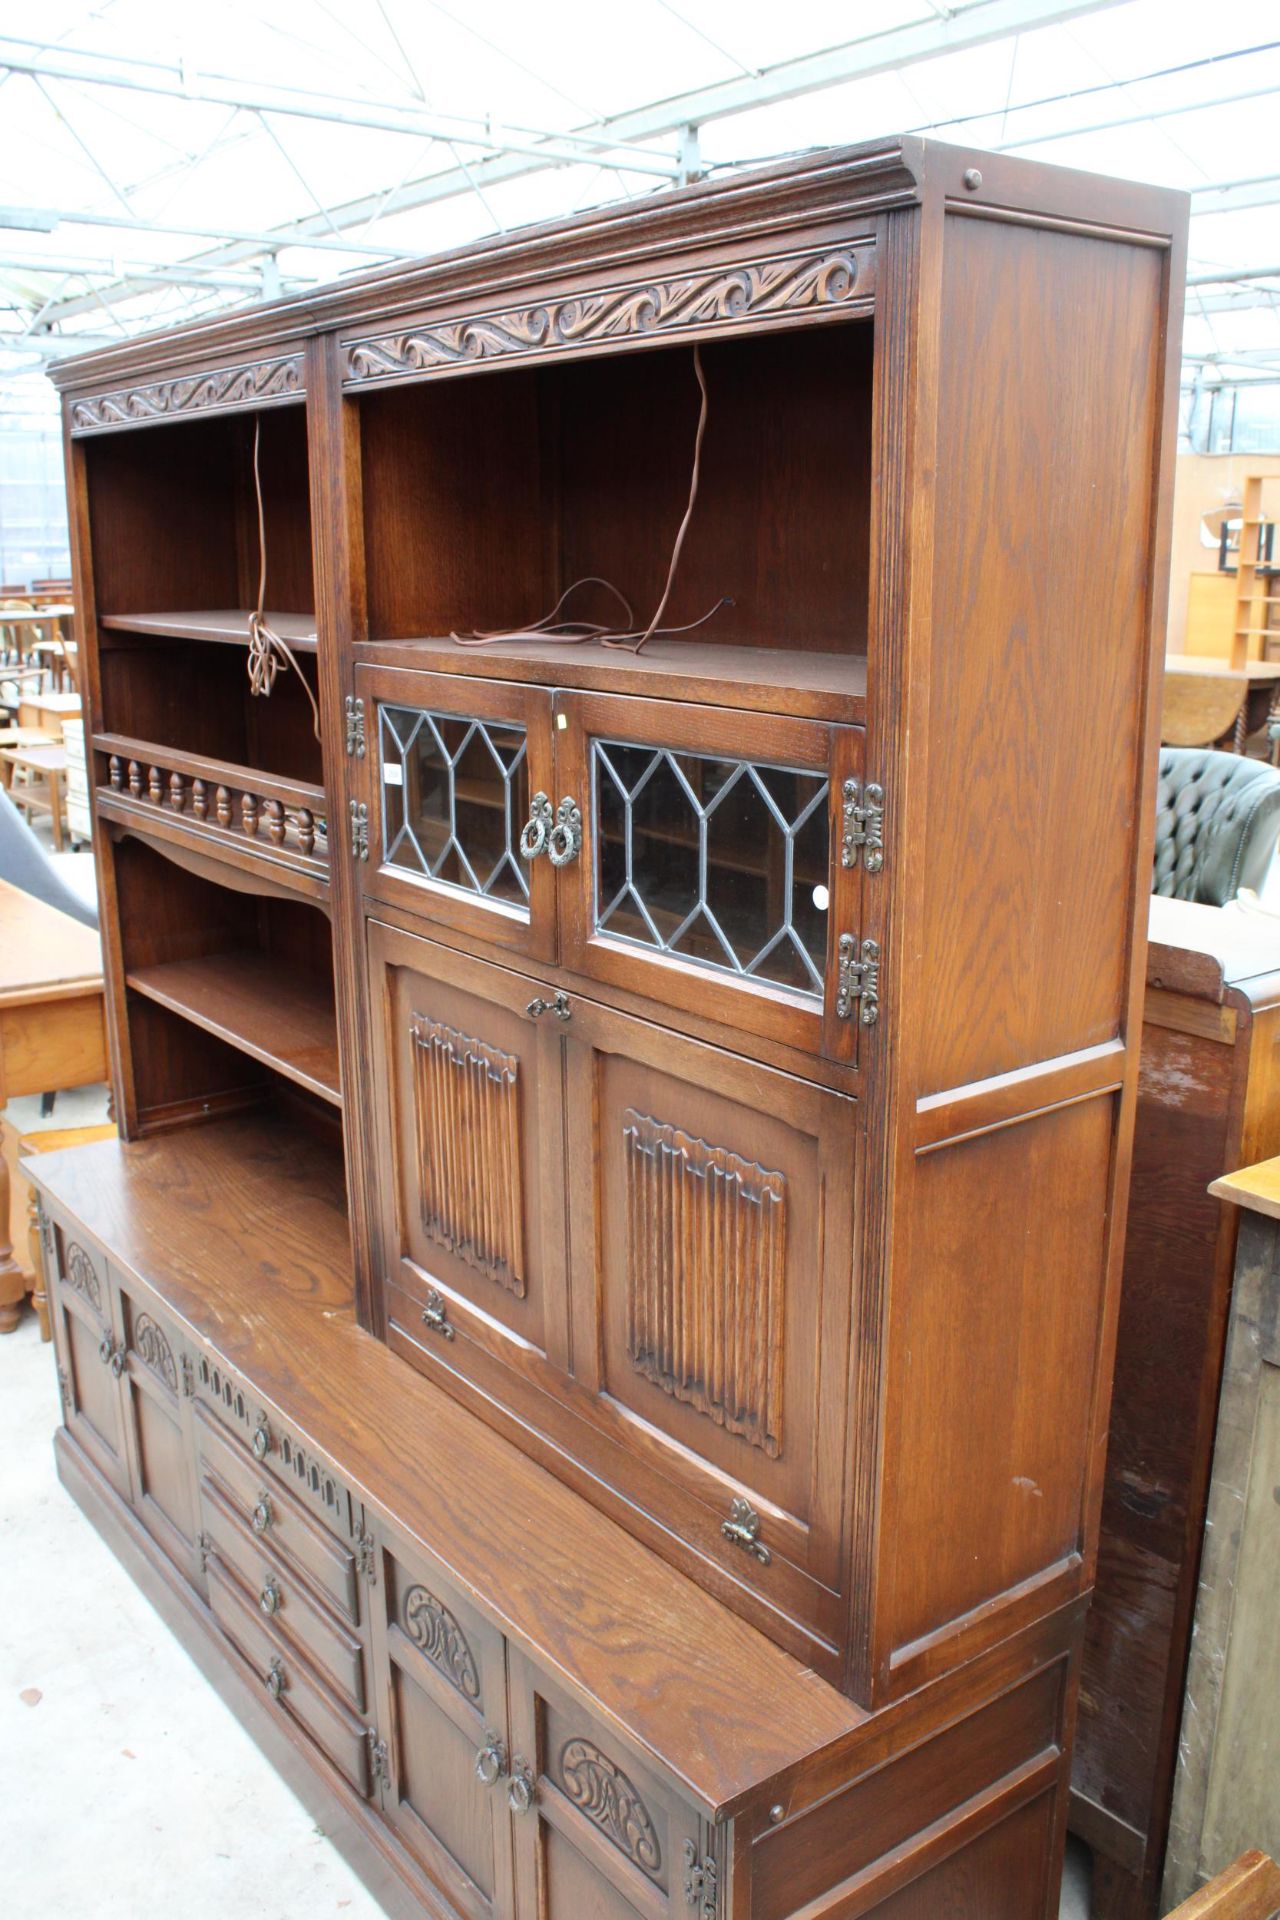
column 706, row 1269
column 600, row 1789
column 152, row 1347
column 80, row 1274
column 244, row 386
column 433, row 1629
column 761, row 289
column 467, row 1112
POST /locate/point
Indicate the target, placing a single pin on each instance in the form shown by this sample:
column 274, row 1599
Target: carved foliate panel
column 81, row 1274
column 435, row 1630
column 757, row 291
column 467, row 1115
column 151, row 1344
column 258, row 383
column 599, row 1788
column 706, row 1268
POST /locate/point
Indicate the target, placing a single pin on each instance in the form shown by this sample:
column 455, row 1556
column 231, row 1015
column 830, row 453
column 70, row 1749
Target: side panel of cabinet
column 86, row 1322
column 442, row 1685
column 597, row 1832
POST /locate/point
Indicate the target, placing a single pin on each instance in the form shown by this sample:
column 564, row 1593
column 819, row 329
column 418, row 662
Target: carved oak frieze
column 244, row 386
column 436, row 1632
column 151, row 1345
column 706, row 1271
column 600, row 1789
column 757, row 291
column 81, row 1274
column 467, row 1109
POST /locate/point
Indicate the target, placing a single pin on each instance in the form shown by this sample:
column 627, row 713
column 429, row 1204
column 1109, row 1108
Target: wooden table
column 52, row 1035
column 47, row 791
column 48, row 711
column 1261, row 677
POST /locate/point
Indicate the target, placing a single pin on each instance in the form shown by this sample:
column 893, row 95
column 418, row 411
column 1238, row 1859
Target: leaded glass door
column 708, row 874
column 452, row 770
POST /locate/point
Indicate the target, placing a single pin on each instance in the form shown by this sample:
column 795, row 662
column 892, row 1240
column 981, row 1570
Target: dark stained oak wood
column 230, row 626
column 283, row 1019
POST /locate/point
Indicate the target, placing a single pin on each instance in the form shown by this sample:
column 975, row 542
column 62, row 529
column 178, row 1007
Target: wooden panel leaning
column 734, row 1076
column 1247, row 1890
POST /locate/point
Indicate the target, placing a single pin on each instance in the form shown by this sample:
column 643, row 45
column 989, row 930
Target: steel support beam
column 1235, row 196
column 49, row 219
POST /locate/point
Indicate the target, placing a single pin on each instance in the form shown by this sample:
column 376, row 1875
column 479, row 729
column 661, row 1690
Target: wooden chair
column 1249, row 1890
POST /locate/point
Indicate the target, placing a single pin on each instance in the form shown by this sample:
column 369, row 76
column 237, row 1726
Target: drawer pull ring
column 270, row 1598
column 520, row 1789
column 491, row 1760
column 435, row 1316
column 274, row 1678
column 560, row 1006
column 536, row 830
column 262, row 1516
column 743, row 1529
column 260, row 1445
column 565, row 838
column 111, row 1355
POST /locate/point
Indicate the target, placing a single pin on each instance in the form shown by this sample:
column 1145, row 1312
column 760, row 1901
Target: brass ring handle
column 263, row 1514
column 118, row 1359
column 491, row 1760
column 520, row 1788
column 270, row 1598
column 260, row 1445
column 106, row 1349
column 565, row 839
column 274, row 1679
column 537, row 828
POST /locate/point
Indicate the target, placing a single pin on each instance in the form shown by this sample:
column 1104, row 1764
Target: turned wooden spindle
column 155, row 785
column 249, row 811
column 305, row 821
column 177, row 792
column 115, row 771
column 222, row 807
column 135, row 779
column 199, row 799
column 275, row 822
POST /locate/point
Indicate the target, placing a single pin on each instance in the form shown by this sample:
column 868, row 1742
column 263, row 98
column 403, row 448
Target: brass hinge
column 46, row 1236
column 743, row 1529
column 858, row 979
column 367, row 1557
column 64, row 1392
column 379, row 1758
column 359, row 830
column 863, row 831
column 355, row 726
column 701, row 1882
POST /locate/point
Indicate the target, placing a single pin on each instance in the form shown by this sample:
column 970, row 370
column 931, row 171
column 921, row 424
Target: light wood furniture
column 37, row 781
column 1203, row 709
column 1229, row 1746
column 1247, row 1890
column 1256, row 628
column 1208, row 1100
column 671, row 1485
column 1211, row 616
column 52, row 1036
column 24, row 1221
column 47, row 711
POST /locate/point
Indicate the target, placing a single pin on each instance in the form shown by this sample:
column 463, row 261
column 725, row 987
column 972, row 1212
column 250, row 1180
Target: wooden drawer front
column 604, row 1834
column 449, row 775
column 301, row 1620
column 276, row 1450
column 711, row 874
column 472, row 1160
column 271, row 1513
column 284, row 1673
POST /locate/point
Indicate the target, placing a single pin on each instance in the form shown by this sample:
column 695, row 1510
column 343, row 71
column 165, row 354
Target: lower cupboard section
column 446, row 1753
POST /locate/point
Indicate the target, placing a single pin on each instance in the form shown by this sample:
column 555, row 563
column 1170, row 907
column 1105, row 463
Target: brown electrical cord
column 268, row 653
column 576, row 633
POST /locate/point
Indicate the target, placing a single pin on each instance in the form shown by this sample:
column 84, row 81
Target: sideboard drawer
column 288, row 1679
column 271, row 1513
column 283, row 1597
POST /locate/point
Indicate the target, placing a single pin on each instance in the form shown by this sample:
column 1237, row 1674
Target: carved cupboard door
column 717, row 870
column 711, row 1258
column 597, row 1830
column 157, row 1433
column 91, row 1354
column 443, row 1762
column 447, row 775
column 467, row 1065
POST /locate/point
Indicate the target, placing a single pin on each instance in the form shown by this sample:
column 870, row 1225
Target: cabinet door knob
column 274, row 1679
column 270, row 1597
column 565, row 839
column 491, row 1760
column 263, row 1514
column 520, row 1787
column 536, row 830
column 260, row 1445
column 560, row 1006
column 435, row 1316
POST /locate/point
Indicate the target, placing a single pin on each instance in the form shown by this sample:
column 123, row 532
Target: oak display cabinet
column 598, row 1331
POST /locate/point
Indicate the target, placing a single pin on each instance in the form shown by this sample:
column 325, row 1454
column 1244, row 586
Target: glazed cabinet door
column 467, row 1083
column 449, row 800
column 91, row 1351
column 444, row 1761
column 158, row 1433
column 598, row 1831
column 713, row 867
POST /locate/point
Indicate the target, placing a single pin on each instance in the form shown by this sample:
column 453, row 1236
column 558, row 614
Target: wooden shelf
column 272, row 1012
column 225, row 626
column 819, row 686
